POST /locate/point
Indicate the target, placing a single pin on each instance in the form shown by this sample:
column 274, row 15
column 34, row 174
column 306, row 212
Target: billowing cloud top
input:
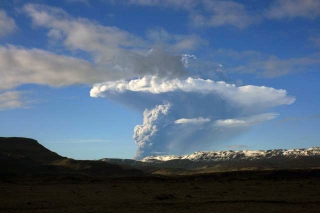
column 245, row 95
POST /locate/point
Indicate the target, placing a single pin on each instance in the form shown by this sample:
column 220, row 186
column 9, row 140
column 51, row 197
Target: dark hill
column 26, row 157
column 27, row 148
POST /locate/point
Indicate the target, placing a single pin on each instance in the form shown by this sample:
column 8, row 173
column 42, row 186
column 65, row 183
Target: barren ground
column 268, row 191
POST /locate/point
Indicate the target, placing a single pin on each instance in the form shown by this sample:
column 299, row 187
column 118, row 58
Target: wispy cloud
column 7, row 24
column 195, row 121
column 245, row 122
column 207, row 13
column 283, row 9
column 269, row 66
column 175, row 42
column 224, row 13
column 12, row 100
column 104, row 42
column 119, row 52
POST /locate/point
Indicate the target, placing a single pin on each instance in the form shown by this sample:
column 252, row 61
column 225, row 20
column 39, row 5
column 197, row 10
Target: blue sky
column 94, row 79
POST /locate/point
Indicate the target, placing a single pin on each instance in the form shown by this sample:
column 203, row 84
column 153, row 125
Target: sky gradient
column 128, row 79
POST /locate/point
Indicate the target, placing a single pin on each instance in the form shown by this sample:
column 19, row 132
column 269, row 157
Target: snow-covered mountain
column 230, row 155
column 230, row 160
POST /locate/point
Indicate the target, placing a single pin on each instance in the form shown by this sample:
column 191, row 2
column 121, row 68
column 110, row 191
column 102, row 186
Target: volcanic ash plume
column 185, row 115
column 154, row 124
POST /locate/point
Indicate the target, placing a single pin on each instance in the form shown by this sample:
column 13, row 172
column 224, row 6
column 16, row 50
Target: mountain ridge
column 238, row 154
column 217, row 161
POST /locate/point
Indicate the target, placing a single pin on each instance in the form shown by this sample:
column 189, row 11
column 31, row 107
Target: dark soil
column 254, row 191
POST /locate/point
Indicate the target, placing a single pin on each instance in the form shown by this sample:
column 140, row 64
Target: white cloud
column 199, row 120
column 245, row 95
column 104, row 42
column 11, row 100
column 7, row 24
column 118, row 51
column 294, row 8
column 245, row 122
column 20, row 66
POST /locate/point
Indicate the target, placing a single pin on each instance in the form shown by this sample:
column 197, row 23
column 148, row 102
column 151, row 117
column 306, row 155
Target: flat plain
column 247, row 191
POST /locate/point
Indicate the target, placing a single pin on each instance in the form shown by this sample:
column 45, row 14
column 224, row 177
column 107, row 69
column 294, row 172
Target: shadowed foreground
column 266, row 191
column 35, row 179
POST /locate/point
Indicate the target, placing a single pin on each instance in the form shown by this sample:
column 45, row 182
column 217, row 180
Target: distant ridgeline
column 276, row 158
